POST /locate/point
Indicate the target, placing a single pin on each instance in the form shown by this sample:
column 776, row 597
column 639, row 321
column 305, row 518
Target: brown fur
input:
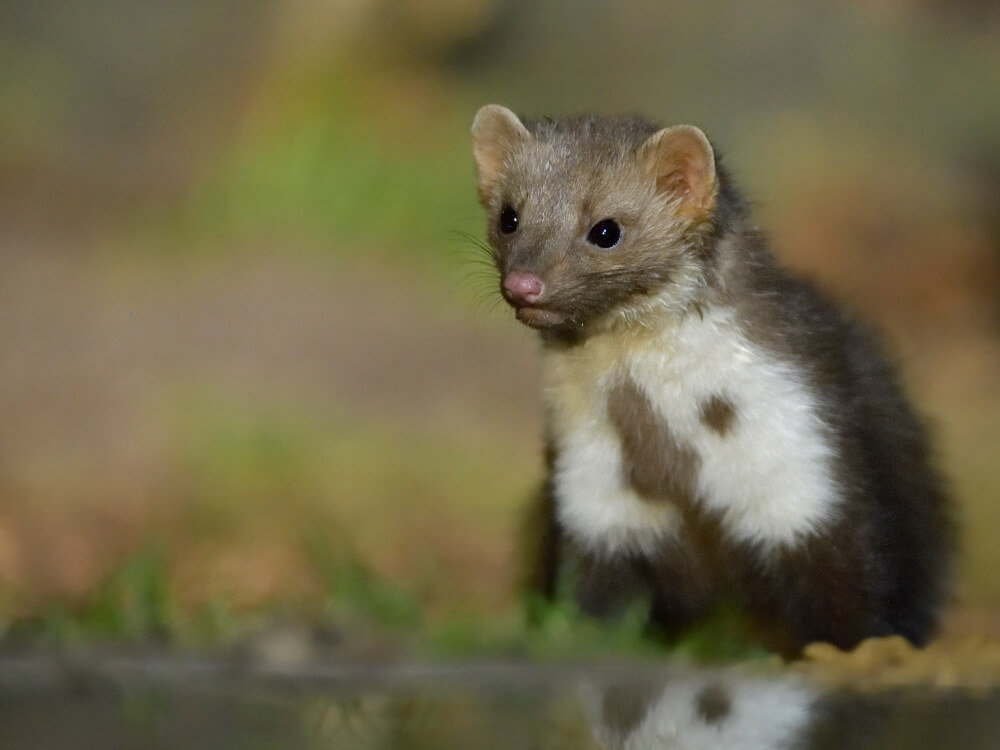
column 719, row 414
column 541, row 538
column 679, row 582
column 688, row 245
column 660, row 469
column 581, row 284
column 686, row 573
column 656, row 465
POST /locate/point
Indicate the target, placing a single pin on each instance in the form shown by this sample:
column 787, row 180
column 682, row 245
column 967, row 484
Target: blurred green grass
column 328, row 168
column 136, row 605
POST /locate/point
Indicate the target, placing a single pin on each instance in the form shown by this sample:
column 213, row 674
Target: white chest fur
column 768, row 478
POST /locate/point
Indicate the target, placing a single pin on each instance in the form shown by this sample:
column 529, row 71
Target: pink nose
column 522, row 288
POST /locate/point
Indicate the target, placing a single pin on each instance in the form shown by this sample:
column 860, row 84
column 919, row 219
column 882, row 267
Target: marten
column 716, row 428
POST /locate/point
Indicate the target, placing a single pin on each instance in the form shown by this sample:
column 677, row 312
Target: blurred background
column 249, row 363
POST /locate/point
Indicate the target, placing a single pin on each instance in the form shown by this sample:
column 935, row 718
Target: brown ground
column 123, row 372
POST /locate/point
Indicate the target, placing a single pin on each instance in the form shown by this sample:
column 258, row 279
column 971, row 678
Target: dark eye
column 508, row 220
column 605, row 234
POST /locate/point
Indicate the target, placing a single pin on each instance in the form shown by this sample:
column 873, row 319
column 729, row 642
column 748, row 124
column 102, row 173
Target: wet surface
column 64, row 701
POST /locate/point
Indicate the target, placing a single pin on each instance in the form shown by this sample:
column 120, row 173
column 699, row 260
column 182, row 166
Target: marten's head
column 594, row 219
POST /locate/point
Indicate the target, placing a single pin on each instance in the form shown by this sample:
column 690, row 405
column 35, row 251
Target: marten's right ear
column 682, row 162
column 495, row 132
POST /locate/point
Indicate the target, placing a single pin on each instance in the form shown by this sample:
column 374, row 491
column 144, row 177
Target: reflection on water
column 169, row 703
column 703, row 710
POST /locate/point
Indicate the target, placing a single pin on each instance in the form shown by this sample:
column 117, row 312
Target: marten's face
column 590, row 219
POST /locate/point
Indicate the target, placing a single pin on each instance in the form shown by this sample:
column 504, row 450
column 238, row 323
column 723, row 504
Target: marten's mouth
column 539, row 317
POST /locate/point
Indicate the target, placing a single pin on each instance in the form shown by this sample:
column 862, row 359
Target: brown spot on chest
column 719, row 414
column 655, row 463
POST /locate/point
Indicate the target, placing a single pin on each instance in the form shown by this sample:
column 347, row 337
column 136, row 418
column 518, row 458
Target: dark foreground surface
column 144, row 701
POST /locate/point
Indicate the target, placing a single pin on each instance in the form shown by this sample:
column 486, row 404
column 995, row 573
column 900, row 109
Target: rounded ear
column 495, row 132
column 682, row 162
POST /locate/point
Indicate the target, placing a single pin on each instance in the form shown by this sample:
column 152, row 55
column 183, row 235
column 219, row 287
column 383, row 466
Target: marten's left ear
column 682, row 162
column 496, row 131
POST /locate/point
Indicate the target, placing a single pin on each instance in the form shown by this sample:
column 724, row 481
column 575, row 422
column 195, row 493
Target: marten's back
column 896, row 516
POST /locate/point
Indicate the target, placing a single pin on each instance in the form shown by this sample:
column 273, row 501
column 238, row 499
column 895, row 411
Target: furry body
column 716, row 427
